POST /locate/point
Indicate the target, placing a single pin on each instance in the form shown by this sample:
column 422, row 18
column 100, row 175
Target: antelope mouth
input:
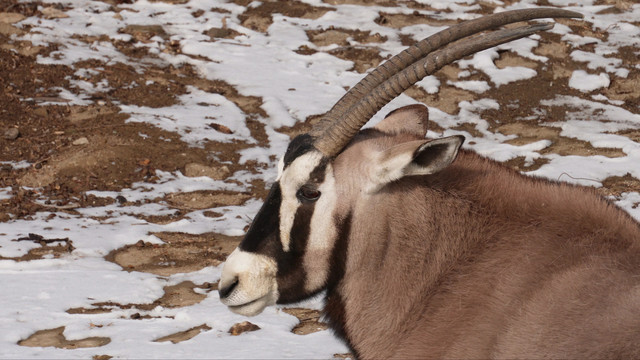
column 248, row 283
column 245, row 304
column 251, row 308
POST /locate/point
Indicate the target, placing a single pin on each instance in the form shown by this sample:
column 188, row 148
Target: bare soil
column 56, row 338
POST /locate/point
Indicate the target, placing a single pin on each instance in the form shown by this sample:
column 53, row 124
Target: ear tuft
column 419, row 157
column 437, row 154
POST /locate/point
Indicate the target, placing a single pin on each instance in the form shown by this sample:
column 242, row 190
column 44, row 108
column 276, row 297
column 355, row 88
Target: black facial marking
column 264, row 238
column 263, row 235
column 291, row 273
column 339, row 253
column 300, row 145
column 334, row 309
column 318, row 174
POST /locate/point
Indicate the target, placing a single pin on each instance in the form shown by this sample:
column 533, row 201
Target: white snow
column 193, row 116
column 484, row 61
column 430, row 84
column 4, row 193
column 585, row 82
column 476, row 86
column 596, row 61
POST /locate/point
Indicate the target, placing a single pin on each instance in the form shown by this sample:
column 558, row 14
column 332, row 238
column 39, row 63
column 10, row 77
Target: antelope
column 427, row 250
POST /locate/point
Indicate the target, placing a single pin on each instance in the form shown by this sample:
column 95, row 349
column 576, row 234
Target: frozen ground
column 150, row 130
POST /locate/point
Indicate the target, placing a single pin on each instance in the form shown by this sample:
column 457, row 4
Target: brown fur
column 479, row 261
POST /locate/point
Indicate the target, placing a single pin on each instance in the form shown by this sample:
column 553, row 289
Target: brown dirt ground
column 114, row 156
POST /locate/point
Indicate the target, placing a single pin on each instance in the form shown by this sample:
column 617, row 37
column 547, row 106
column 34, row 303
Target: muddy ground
column 71, row 149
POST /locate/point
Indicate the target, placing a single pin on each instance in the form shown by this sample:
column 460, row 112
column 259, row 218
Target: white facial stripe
column 257, row 286
column 288, row 209
column 280, row 168
column 294, row 176
column 322, row 234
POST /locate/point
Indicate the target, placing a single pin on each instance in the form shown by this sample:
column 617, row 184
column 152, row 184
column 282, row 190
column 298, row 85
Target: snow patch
column 585, row 82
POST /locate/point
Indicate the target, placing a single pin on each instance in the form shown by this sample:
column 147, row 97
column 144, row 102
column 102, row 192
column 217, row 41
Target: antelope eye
column 308, row 193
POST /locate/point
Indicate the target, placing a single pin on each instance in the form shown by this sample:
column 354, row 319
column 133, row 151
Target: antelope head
column 292, row 248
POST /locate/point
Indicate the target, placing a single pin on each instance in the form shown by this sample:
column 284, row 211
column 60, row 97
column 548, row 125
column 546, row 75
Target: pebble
column 81, row 141
column 214, row 172
column 10, row 18
column 53, row 13
column 11, row 134
column 242, row 327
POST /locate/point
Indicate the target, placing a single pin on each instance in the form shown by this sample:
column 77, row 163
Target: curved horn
column 337, row 136
column 434, row 42
column 418, row 51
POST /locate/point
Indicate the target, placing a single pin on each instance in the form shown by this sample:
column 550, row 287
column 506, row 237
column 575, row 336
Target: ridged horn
column 349, row 114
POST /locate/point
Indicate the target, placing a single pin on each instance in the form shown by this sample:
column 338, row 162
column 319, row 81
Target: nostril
column 224, row 292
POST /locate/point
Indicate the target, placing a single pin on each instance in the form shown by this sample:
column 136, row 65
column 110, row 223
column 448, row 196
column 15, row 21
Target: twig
column 41, row 239
column 577, row 178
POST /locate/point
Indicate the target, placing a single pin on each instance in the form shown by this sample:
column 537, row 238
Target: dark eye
column 308, row 193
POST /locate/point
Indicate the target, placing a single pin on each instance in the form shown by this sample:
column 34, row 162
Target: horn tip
column 563, row 13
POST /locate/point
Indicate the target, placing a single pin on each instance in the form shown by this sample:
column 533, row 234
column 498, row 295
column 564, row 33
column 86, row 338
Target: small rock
column 81, row 141
column 8, row 30
column 121, row 199
column 144, row 33
column 244, row 326
column 102, row 357
column 212, row 214
column 30, row 50
column 201, row 200
column 53, row 13
column 11, row 133
column 216, row 173
column 221, row 128
column 223, row 33
column 10, row 18
column 41, row 111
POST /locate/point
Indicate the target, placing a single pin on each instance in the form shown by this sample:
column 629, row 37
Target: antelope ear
column 412, row 119
column 420, row 157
